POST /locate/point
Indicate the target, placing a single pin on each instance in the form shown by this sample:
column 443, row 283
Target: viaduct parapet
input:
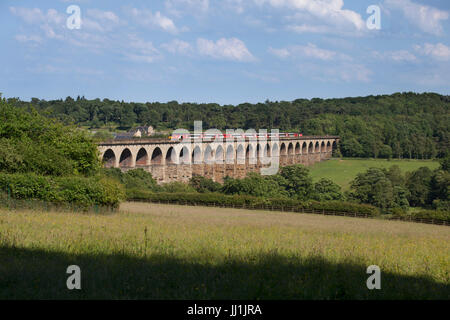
column 170, row 161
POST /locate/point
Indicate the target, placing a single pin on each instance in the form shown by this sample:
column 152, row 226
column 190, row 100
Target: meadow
column 151, row 251
column 343, row 171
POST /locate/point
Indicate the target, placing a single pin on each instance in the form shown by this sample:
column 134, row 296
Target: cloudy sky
column 224, row 51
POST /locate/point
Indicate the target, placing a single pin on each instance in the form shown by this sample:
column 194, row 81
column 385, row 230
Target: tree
column 418, row 184
column 326, row 189
column 298, row 183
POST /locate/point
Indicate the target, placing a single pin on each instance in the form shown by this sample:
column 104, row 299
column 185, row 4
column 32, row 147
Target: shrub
column 79, row 190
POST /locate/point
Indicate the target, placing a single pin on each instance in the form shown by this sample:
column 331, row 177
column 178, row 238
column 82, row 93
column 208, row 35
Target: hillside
column 401, row 125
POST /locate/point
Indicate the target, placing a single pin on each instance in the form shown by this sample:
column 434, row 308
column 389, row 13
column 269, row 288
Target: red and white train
column 225, row 136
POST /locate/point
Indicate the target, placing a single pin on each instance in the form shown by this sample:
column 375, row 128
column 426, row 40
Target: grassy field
column 342, row 171
column 152, row 251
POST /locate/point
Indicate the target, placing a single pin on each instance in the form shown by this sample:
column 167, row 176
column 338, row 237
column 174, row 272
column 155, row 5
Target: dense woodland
column 402, row 125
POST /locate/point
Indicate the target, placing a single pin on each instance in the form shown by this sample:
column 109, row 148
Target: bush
column 78, row 190
column 202, row 184
column 30, row 142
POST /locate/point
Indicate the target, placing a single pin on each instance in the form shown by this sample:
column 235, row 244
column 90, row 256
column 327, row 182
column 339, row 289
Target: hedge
column 250, row 201
column 78, row 190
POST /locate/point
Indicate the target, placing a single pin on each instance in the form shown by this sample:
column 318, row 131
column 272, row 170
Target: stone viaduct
column 178, row 161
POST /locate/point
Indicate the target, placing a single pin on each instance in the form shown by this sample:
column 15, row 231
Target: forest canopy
column 401, row 125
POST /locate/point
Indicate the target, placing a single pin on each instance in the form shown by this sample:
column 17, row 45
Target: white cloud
column 347, row 72
column 427, row 18
column 102, row 21
column 180, row 7
column 225, row 49
column 147, row 18
column 177, row 46
column 438, row 51
column 324, row 15
column 28, row 39
column 51, row 22
column 144, row 51
column 308, row 51
column 397, row 56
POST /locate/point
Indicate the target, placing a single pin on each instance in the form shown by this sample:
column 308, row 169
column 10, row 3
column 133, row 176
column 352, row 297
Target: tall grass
column 154, row 251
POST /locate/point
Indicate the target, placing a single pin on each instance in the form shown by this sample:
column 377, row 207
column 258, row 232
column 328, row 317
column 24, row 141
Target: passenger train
column 206, row 136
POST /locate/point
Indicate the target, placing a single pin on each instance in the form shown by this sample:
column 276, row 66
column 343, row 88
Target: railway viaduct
column 170, row 161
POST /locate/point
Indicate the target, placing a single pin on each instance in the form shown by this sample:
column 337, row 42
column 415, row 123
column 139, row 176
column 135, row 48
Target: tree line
column 401, row 125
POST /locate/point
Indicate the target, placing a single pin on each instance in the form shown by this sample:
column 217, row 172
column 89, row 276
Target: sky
column 223, row 51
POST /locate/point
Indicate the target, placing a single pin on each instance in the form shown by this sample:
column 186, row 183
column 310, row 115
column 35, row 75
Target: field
column 152, row 251
column 343, row 171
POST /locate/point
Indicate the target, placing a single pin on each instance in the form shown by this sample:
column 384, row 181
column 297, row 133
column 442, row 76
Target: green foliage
column 137, row 178
column 256, row 185
column 401, row 125
column 251, row 202
column 30, row 142
column 299, row 184
column 326, row 190
column 418, row 184
column 202, row 184
column 176, row 187
column 375, row 188
column 79, row 190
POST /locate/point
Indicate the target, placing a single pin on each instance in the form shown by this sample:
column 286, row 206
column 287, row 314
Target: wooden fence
column 295, row 209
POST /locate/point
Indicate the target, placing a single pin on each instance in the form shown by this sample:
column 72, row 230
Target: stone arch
column 298, row 148
column 275, row 150
column 249, row 152
column 267, row 151
column 317, row 147
column 328, row 146
column 290, row 149
column 171, row 156
column 142, row 157
column 240, row 154
column 126, row 158
column 230, row 155
column 197, row 155
column 109, row 159
column 209, row 154
column 322, row 147
column 311, row 147
column 304, row 148
column 157, row 156
column 283, row 150
column 219, row 154
column 185, row 157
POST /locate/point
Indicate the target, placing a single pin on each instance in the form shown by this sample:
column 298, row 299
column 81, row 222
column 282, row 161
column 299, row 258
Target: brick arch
column 185, row 155
column 310, row 147
column 229, row 156
column 142, row 157
column 157, row 157
column 219, row 154
column 317, row 147
column 240, row 154
column 208, row 156
column 171, row 156
column 126, row 159
column 275, row 150
column 298, row 148
column 109, row 158
column 304, row 148
column 197, row 155
column 283, row 149
column 290, row 150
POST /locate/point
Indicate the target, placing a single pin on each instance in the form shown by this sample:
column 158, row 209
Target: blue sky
column 227, row 51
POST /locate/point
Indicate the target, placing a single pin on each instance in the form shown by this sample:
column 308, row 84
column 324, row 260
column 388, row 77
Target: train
column 226, row 136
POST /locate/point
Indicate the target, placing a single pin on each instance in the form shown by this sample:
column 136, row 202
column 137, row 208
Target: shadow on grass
column 37, row 274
